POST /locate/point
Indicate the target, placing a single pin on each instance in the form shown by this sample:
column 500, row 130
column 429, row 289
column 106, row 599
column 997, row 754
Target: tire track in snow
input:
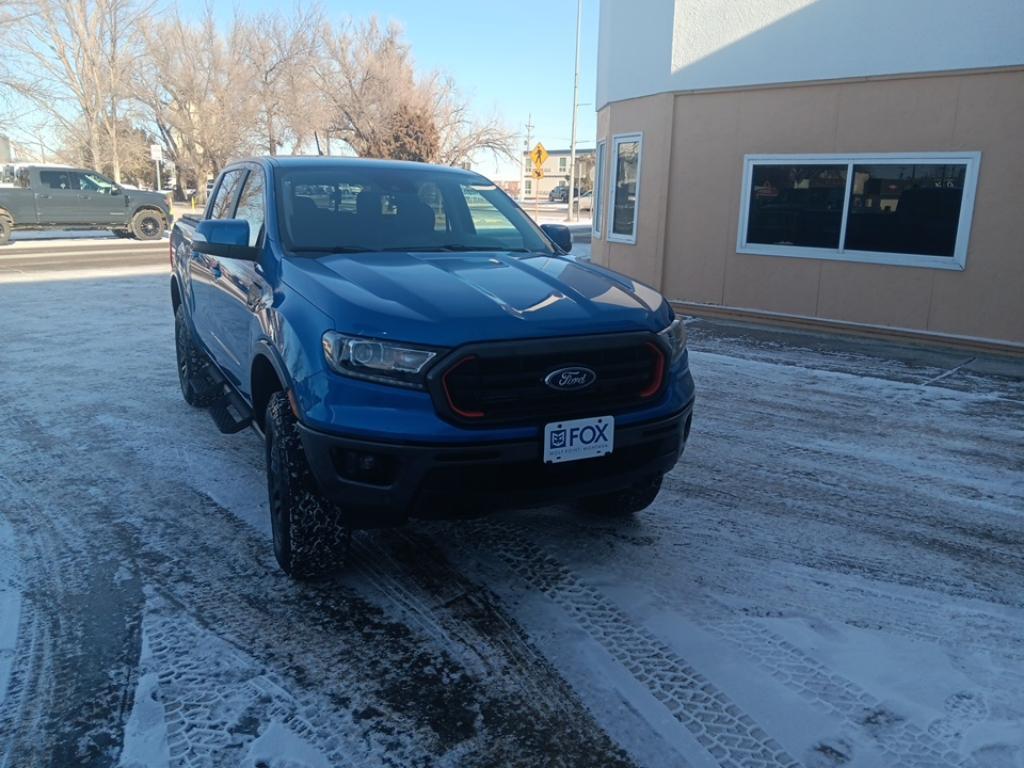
column 73, row 672
column 900, row 741
column 390, row 695
column 731, row 736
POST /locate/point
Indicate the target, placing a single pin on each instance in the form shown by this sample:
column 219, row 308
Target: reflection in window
column 905, row 208
column 624, row 189
column 891, row 209
column 796, row 205
column 250, row 205
column 225, row 199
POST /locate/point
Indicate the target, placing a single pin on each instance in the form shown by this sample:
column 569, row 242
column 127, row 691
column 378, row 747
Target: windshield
column 360, row 208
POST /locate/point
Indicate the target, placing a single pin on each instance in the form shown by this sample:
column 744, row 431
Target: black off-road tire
column 191, row 362
column 148, row 224
column 6, row 228
column 623, row 503
column 311, row 537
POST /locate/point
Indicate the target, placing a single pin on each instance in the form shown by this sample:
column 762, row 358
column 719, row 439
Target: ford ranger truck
column 408, row 343
column 61, row 197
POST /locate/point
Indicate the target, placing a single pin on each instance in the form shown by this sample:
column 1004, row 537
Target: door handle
column 83, row 197
column 44, row 197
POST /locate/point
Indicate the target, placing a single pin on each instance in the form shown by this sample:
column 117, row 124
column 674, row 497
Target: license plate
column 578, row 439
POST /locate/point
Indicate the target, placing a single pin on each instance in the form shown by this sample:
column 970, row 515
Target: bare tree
column 460, row 135
column 194, row 84
column 380, row 108
column 79, row 54
column 279, row 53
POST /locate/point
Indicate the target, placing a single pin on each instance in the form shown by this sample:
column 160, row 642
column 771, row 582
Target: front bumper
column 419, row 480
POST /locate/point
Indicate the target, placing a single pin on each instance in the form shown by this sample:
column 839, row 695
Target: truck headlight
column 387, row 362
column 675, row 337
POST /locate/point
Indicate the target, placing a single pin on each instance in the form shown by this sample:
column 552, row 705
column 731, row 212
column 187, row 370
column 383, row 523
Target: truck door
column 204, row 271
column 101, row 200
column 240, row 287
column 56, row 192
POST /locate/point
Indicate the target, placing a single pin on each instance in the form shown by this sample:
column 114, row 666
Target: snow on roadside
column 10, row 603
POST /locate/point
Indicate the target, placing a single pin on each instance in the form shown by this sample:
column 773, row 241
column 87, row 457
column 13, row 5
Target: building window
column 625, row 187
column 598, row 202
column 905, row 209
column 563, row 164
column 528, row 187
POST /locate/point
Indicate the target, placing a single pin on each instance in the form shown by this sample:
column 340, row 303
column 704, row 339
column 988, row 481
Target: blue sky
column 512, row 58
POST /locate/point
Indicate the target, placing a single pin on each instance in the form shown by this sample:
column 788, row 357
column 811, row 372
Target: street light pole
column 575, row 112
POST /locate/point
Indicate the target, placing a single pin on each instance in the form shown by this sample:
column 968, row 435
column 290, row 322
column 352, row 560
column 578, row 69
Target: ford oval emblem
column 570, row 378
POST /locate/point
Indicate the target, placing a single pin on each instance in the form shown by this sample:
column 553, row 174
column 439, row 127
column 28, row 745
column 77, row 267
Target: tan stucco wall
column 691, row 176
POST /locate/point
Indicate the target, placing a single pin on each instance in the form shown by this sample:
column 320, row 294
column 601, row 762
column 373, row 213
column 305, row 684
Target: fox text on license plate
column 578, row 439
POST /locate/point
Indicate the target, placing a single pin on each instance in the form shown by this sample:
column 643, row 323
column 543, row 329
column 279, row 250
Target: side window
column 225, row 199
column 92, row 182
column 626, row 152
column 55, row 179
column 250, row 205
column 489, row 222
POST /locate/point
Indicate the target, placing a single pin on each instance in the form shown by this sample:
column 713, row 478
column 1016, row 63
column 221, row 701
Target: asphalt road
column 832, row 576
column 28, row 257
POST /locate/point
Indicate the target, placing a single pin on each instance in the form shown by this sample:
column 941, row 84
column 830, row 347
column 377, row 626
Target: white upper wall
column 653, row 46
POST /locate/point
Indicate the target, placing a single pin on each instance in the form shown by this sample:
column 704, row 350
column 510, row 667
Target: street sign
column 538, row 173
column 538, row 155
column 156, row 152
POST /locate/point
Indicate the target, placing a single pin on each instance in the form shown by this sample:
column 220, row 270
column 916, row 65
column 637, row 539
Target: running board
column 229, row 412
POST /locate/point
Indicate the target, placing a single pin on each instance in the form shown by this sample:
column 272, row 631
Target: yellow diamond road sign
column 538, row 173
column 538, row 155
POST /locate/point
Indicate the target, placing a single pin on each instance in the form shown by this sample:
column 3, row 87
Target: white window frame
column 613, row 159
column 957, row 262
column 599, row 189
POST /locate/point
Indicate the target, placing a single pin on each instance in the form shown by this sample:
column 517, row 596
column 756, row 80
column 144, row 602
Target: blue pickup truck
column 408, row 343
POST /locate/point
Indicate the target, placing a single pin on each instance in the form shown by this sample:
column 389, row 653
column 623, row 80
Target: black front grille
column 503, row 383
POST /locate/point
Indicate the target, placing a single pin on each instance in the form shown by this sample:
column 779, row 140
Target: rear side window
column 223, row 203
column 56, row 179
column 250, row 205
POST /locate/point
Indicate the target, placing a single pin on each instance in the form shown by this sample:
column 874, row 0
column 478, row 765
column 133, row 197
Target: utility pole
column 575, row 112
column 522, row 161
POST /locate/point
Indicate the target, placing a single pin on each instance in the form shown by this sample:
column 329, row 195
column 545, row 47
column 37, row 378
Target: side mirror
column 560, row 235
column 226, row 238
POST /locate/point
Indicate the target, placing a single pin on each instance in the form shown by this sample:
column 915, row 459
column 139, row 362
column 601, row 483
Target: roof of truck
column 321, row 161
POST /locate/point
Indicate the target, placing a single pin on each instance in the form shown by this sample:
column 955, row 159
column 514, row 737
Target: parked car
column 419, row 348
column 585, row 202
column 62, row 197
column 560, row 194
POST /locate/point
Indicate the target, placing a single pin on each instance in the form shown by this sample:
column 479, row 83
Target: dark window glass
column 364, row 208
column 223, row 203
column 56, row 179
column 250, row 205
column 627, row 169
column 905, row 208
column 796, row 205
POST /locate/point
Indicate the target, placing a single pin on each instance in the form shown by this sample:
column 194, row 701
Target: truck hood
column 448, row 299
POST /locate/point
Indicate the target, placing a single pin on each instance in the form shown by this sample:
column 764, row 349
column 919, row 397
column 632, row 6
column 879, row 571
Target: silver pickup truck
column 60, row 197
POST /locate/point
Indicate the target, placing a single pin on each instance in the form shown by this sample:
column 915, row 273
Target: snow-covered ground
column 833, row 575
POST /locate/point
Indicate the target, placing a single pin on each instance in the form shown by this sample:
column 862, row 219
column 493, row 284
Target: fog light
column 363, row 467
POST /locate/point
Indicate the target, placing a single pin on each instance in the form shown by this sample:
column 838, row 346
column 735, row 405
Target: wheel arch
column 7, row 213
column 175, row 293
column 266, row 376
